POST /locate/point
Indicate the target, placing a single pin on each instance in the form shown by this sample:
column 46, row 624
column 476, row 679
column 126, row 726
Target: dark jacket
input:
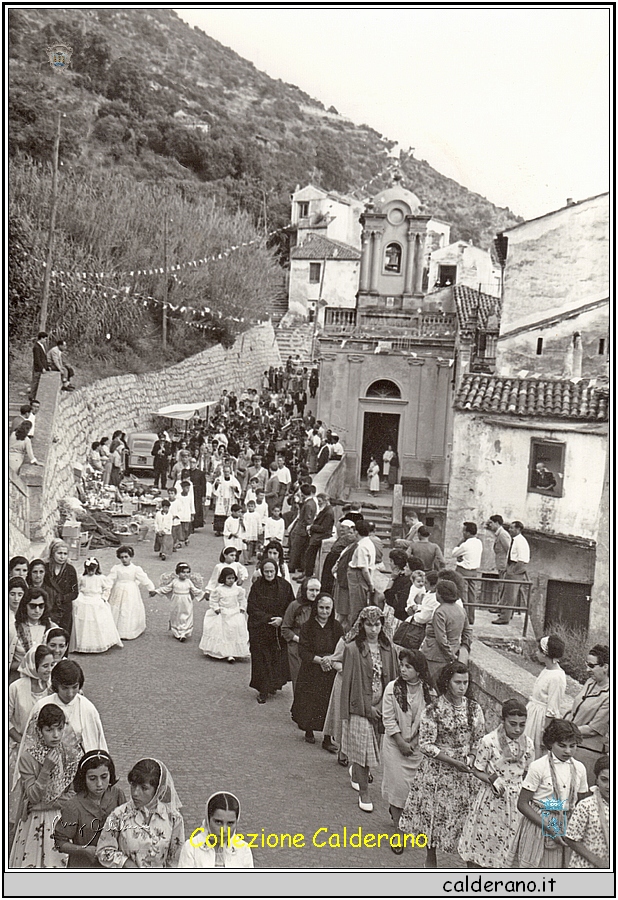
column 39, row 358
column 356, row 691
column 322, row 526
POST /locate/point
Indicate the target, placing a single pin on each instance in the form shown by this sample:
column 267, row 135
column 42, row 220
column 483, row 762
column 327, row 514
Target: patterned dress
column 492, row 821
column 585, row 825
column 440, row 796
column 151, row 840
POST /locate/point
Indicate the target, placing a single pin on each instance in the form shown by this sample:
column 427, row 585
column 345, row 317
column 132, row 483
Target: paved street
column 160, row 698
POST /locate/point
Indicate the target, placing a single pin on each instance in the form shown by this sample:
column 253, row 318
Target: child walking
column 548, row 795
column 94, row 629
column 548, row 693
column 183, row 590
column 587, row 833
column 274, row 526
column 125, row 599
column 253, row 529
column 229, row 557
column 234, row 529
column 225, row 634
column 501, row 762
column 164, row 522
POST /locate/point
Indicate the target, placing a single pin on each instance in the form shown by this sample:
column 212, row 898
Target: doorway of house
column 568, row 602
column 379, row 430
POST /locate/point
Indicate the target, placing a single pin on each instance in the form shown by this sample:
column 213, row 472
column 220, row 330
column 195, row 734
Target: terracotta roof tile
column 318, row 247
column 580, row 398
column 471, row 304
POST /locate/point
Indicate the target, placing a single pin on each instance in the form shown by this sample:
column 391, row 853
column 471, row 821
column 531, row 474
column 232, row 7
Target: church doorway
column 379, row 430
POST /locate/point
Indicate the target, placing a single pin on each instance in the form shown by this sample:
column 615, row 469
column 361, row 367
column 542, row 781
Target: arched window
column 384, row 388
column 392, row 258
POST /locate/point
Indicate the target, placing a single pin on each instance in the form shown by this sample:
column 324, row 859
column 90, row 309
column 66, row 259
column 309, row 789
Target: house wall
column 474, row 267
column 345, row 225
column 424, row 410
column 339, row 287
column 490, row 475
column 556, row 260
column 518, row 352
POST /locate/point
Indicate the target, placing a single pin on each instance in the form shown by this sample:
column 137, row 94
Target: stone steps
column 295, row 340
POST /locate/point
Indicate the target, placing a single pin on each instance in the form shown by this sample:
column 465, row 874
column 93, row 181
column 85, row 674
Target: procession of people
column 381, row 675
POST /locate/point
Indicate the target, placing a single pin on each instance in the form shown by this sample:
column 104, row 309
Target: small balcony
column 378, row 323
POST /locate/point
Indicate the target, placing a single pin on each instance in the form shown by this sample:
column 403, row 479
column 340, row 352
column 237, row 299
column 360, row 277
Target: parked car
column 140, row 446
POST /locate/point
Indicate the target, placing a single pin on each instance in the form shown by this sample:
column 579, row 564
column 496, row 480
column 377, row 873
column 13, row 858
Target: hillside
column 149, row 95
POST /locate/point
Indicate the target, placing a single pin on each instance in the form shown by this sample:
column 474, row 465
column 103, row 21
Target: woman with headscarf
column 268, row 600
column 296, row 615
column 318, row 639
column 61, row 584
column 45, row 771
column 369, row 664
column 33, row 684
column 83, row 720
column 215, row 845
column 147, row 832
column 31, row 622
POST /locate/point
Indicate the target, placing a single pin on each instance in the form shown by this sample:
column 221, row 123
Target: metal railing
column 490, row 592
column 423, row 496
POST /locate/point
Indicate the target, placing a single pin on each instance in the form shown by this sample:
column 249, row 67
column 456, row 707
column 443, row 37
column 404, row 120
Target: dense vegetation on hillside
column 160, row 116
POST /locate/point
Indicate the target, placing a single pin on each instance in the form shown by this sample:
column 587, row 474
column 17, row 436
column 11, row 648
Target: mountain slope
column 151, row 97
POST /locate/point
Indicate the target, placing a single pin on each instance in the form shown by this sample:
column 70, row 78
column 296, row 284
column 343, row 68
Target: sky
column 511, row 102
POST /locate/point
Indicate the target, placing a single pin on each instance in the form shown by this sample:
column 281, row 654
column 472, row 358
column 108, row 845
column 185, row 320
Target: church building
column 389, row 365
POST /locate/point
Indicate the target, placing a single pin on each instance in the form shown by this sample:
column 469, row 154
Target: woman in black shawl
column 60, row 583
column 198, row 480
column 268, row 600
column 318, row 639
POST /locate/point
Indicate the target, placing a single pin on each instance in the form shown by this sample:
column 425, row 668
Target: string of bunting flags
column 203, row 312
column 146, row 300
column 160, row 270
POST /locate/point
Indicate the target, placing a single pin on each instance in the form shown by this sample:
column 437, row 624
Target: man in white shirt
column 361, row 570
column 336, row 447
column 468, row 555
column 516, row 570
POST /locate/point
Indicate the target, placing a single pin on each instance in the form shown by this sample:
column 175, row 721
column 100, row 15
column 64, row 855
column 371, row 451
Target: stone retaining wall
column 19, row 519
column 495, row 678
column 69, row 422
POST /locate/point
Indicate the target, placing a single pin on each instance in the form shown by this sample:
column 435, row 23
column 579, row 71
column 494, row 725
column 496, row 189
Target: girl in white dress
column 183, row 590
column 125, row 599
column 94, row 630
column 373, row 474
column 225, row 634
column 229, row 557
column 548, row 692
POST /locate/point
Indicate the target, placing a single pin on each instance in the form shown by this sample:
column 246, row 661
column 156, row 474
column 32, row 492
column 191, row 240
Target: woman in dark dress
column 318, row 639
column 393, row 471
column 198, row 480
column 61, row 585
column 268, row 600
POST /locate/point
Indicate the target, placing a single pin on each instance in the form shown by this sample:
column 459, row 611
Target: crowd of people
column 381, row 674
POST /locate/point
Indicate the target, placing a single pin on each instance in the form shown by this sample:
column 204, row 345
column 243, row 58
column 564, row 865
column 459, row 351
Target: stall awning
column 184, row 411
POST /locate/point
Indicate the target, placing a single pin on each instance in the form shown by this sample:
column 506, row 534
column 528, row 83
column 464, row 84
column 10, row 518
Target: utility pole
column 164, row 320
column 52, row 223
